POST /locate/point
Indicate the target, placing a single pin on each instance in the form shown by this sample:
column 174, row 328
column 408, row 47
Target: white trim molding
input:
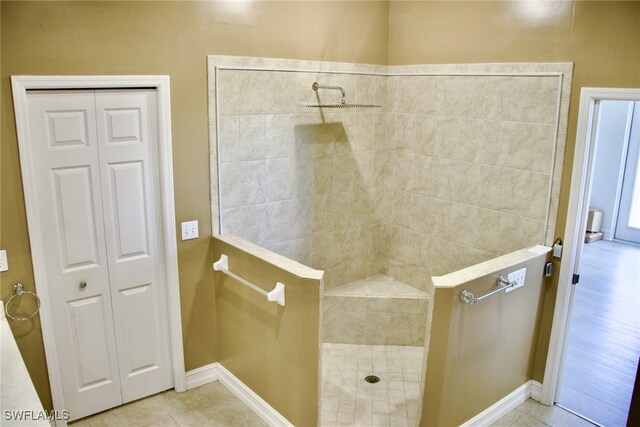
column 161, row 84
column 581, row 175
column 503, row 406
column 202, row 375
column 217, row 372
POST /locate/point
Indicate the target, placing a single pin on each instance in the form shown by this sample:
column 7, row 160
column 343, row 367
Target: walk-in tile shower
column 458, row 165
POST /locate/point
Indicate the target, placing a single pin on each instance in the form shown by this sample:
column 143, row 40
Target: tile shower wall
column 467, row 170
column 452, row 171
column 297, row 180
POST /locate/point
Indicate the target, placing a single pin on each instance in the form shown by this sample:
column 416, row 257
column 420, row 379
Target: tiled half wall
column 461, row 163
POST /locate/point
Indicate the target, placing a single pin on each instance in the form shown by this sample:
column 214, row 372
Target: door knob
column 83, row 284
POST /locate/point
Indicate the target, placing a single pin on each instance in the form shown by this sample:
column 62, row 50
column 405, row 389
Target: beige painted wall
column 480, row 353
column 600, row 37
column 274, row 350
column 171, row 38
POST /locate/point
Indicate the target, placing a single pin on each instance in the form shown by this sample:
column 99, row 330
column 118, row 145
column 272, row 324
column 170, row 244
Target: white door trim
column 575, row 225
column 20, row 85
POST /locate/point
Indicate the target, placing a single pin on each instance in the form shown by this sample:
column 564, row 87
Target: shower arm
column 317, row 86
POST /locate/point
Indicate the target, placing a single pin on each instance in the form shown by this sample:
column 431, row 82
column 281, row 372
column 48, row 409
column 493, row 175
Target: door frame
column 161, row 84
column 581, row 176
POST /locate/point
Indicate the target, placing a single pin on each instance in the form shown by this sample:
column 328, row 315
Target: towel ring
column 18, row 290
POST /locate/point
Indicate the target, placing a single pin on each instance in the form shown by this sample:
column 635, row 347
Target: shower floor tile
column 348, row 400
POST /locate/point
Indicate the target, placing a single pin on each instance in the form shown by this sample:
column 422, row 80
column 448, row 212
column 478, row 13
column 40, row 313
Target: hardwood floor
column 604, row 337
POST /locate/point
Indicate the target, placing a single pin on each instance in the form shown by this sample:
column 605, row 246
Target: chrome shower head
column 343, row 102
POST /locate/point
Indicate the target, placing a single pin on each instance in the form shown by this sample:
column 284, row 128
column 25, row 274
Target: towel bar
column 276, row 295
column 502, row 283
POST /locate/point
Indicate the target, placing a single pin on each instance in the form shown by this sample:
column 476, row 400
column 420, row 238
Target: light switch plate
column 189, row 230
column 518, row 277
column 4, row 265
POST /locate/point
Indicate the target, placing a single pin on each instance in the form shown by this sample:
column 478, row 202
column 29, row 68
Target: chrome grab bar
column 502, row 283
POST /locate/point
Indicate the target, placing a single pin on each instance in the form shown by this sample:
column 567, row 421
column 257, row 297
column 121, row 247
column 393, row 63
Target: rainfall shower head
column 343, row 101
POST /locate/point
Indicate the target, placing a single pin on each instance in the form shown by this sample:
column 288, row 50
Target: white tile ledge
column 266, row 255
column 477, row 271
column 378, row 286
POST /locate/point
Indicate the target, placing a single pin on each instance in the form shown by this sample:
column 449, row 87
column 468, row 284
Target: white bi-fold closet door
column 95, row 165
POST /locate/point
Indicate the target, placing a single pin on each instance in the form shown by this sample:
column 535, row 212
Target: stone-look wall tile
column 453, row 221
column 322, row 214
column 243, row 183
column 380, row 305
column 344, row 303
column 421, row 214
column 392, row 94
column 246, row 222
column 458, row 139
column 446, row 257
column 252, row 92
column 382, row 168
column 405, row 132
column 538, row 186
column 426, row 143
column 407, row 94
column 456, row 181
column 505, row 95
column 326, row 254
column 500, row 232
column 344, row 173
column 228, row 90
column 343, row 215
column 461, row 96
column 279, row 97
column 400, row 329
column 403, row 246
column 279, row 180
column 427, row 96
column 363, row 170
column 380, row 141
column 378, row 328
column 301, row 217
column 524, row 146
column 422, row 179
column 279, row 136
column 322, row 175
column 380, row 91
column 401, row 209
column 277, row 221
column 563, row 119
column 363, row 132
column 344, row 327
column 402, row 171
column 298, row 250
column 228, row 139
column 365, row 90
column 242, row 138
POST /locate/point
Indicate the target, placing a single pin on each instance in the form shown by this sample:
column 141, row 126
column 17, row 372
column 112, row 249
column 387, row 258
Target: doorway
column 95, row 155
column 595, row 337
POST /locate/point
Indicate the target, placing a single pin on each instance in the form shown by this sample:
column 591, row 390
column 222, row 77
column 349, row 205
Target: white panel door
column 67, row 174
column 127, row 140
column 96, row 167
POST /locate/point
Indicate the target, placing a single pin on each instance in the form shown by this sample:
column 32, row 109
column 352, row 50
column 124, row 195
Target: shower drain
column 372, row 379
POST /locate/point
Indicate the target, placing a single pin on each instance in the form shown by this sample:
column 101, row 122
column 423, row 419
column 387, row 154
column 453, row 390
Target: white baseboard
column 201, row 376
column 262, row 409
column 502, row 407
column 217, row 372
column 536, row 390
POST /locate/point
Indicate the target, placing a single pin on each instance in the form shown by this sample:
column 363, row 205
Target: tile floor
column 209, row 405
column 347, row 399
column 533, row 414
column 393, row 401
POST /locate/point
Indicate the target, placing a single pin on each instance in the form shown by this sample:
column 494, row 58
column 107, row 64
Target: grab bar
column 502, row 283
column 276, row 295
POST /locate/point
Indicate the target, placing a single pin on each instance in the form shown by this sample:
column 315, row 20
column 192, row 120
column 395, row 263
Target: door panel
column 67, row 175
column 126, row 128
column 76, row 217
column 91, row 344
column 128, row 203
